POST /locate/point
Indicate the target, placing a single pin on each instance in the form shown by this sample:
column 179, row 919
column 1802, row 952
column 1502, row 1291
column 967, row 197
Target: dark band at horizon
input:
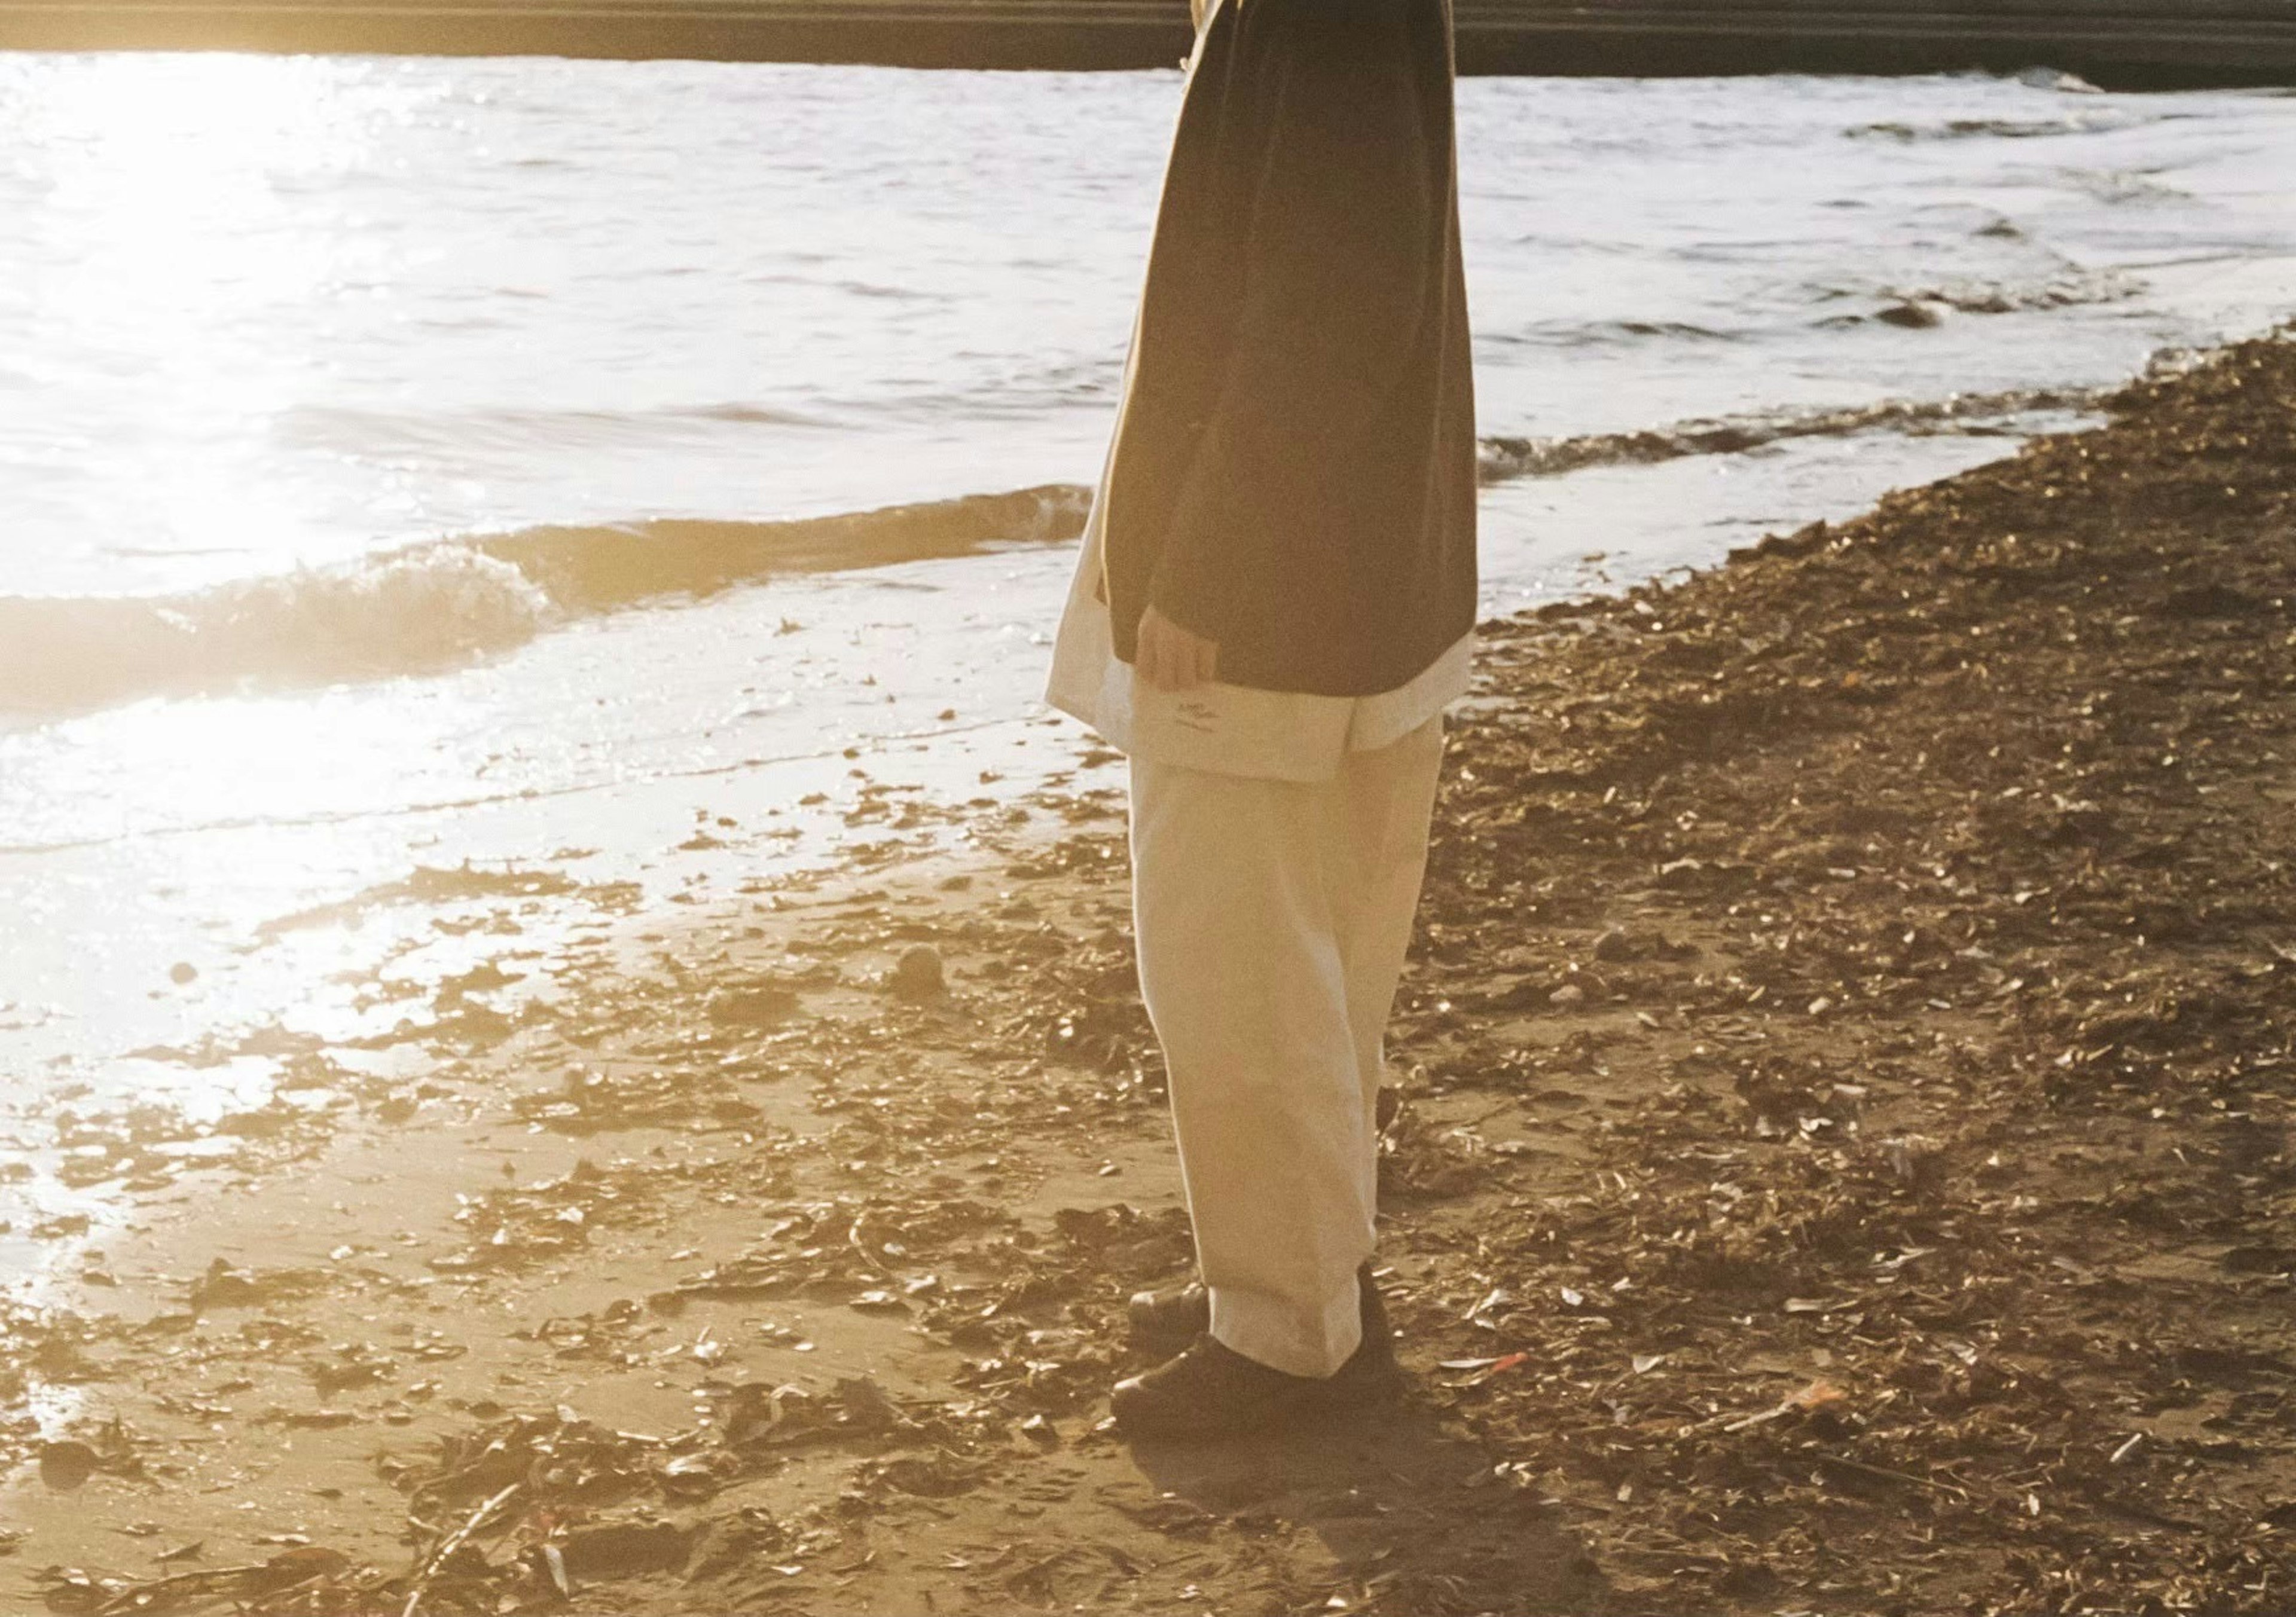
column 2134, row 44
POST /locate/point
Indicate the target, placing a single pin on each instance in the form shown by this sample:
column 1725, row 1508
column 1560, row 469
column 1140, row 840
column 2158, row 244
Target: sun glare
column 174, row 238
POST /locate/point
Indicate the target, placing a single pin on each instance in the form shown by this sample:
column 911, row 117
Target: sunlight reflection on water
column 164, row 231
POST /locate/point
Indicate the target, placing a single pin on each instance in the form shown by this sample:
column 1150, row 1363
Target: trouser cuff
column 1273, row 1331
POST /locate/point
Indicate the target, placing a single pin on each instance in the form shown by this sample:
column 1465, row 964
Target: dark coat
column 1293, row 474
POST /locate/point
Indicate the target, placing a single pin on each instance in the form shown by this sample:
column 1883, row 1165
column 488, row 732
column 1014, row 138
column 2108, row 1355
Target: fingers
column 1168, row 672
column 1171, row 658
column 1176, row 659
column 1149, row 658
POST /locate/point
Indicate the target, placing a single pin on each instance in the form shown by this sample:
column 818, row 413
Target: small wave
column 2098, row 122
column 592, row 569
column 2115, row 186
column 368, row 432
column 761, row 415
column 891, row 294
column 2069, row 290
column 996, row 392
column 1596, row 333
column 1503, row 458
column 2041, row 78
column 437, row 606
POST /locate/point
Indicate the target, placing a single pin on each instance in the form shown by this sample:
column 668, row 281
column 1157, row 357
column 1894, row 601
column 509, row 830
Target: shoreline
column 1840, row 1159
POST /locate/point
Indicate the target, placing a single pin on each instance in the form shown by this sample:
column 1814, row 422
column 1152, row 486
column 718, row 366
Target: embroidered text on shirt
column 1200, row 716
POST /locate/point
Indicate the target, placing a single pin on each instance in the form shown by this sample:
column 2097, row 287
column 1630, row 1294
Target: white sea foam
column 396, row 613
column 434, row 606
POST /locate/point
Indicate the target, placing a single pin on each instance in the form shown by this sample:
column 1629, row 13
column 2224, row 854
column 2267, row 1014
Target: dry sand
column 1841, row 1162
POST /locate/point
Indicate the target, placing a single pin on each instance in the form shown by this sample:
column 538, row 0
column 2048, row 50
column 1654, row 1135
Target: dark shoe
column 1211, row 1391
column 1166, row 1321
column 1371, row 1374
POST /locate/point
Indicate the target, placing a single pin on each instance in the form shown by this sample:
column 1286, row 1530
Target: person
column 1274, row 603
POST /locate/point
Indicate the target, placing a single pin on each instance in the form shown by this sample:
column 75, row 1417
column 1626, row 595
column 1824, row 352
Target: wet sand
column 1840, row 1160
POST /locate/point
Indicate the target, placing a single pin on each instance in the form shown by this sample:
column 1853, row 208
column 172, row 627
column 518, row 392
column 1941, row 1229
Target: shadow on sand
column 1411, row 1517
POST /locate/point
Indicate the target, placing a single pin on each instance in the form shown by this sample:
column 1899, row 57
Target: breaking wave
column 439, row 605
column 2007, row 412
column 412, row 611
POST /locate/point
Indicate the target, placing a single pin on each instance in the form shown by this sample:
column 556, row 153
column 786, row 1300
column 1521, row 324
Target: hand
column 1170, row 657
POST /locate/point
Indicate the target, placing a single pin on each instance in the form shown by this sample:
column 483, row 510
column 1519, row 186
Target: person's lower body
column 1272, row 920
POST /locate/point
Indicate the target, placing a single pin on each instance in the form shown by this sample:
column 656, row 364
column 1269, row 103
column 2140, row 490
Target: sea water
column 413, row 465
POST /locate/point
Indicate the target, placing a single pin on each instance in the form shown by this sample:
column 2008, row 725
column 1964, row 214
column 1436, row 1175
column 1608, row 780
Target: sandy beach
column 1839, row 1157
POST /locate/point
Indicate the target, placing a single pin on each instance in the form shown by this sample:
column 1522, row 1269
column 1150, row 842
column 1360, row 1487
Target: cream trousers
column 1272, row 918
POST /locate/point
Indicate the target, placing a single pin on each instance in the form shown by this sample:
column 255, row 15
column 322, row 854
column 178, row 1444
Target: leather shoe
column 1166, row 1321
column 1211, row 1390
